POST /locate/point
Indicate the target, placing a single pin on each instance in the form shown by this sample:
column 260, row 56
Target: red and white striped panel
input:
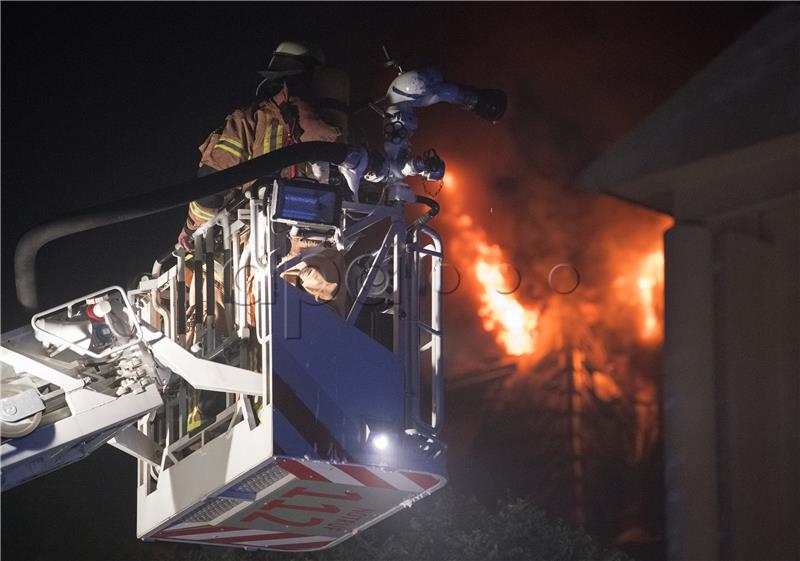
column 361, row 476
column 227, row 535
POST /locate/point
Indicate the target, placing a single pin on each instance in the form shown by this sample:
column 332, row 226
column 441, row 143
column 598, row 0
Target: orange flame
column 513, row 324
column 642, row 288
column 589, row 330
column 650, row 281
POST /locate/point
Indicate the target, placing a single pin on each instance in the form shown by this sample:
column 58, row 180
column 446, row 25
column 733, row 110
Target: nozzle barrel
column 491, row 104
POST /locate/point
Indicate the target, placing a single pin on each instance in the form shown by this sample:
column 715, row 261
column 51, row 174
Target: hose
column 161, row 200
column 434, row 210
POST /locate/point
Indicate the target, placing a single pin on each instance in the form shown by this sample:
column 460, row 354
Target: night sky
column 103, row 101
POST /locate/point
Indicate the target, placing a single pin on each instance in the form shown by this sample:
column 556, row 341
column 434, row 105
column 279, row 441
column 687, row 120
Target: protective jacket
column 253, row 131
column 248, row 133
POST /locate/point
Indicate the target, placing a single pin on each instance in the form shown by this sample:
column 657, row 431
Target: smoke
column 581, row 410
column 512, row 201
column 554, row 145
column 578, row 78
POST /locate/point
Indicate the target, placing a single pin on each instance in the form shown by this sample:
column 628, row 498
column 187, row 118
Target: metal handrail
column 433, row 327
column 173, row 313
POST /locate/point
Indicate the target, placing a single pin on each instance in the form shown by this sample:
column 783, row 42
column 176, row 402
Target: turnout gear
column 248, row 133
column 320, row 274
column 285, row 116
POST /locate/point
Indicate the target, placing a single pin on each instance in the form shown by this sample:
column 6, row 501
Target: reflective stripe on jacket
column 248, row 133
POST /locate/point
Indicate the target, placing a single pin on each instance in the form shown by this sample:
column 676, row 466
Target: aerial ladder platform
column 258, row 417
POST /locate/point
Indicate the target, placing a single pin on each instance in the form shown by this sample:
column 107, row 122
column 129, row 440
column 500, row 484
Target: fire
column 642, row 289
column 516, row 325
column 581, row 317
column 513, row 324
column 568, row 290
column 529, row 318
column 651, row 281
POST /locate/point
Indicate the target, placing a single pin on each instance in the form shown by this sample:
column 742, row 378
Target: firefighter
column 282, row 113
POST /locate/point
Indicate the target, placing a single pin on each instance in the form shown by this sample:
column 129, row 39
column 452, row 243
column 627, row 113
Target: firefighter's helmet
column 292, row 58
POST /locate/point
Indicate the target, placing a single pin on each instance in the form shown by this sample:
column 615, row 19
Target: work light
column 306, row 204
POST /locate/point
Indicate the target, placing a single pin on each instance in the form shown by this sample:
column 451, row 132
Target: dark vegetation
column 444, row 527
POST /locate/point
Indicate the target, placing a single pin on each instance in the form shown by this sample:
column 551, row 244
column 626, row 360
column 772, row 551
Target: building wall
column 689, row 403
column 722, row 156
column 757, row 348
column 732, row 384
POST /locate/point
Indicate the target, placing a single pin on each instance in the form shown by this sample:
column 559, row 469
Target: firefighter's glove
column 315, row 283
column 185, row 239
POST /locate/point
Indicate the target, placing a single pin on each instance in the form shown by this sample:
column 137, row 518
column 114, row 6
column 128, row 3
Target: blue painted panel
column 288, row 439
column 341, row 376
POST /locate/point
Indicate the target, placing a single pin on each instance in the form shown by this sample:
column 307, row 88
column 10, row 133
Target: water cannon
column 413, row 90
column 425, row 87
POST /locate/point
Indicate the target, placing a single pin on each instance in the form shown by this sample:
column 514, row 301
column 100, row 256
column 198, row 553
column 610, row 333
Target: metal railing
column 244, row 288
column 431, row 326
column 165, row 302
